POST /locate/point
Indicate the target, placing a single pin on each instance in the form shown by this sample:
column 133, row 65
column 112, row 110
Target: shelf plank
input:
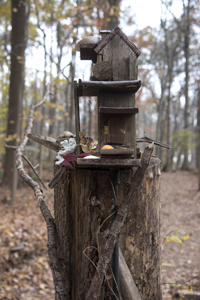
column 107, row 163
column 92, row 88
column 119, row 110
column 115, row 152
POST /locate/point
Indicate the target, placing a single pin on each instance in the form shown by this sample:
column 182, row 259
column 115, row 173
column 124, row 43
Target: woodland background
column 47, row 31
column 169, row 112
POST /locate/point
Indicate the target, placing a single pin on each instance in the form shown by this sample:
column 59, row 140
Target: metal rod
column 115, row 177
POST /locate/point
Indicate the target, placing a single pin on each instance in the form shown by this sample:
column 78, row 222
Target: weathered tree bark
column 140, row 238
column 83, row 200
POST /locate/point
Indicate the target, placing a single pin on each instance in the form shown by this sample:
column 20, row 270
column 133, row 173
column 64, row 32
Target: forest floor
column 25, row 274
column 180, row 211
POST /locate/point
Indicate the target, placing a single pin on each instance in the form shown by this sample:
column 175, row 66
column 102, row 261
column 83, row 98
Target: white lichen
column 69, row 146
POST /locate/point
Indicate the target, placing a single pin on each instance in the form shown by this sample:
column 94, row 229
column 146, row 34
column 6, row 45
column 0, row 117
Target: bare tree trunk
column 198, row 134
column 83, row 200
column 186, row 49
column 52, row 118
column 44, row 88
column 168, row 162
column 159, row 127
column 72, row 74
column 67, row 97
column 113, row 17
column 16, row 84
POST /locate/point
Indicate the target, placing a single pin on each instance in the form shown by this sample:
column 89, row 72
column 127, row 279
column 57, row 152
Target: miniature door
column 116, row 131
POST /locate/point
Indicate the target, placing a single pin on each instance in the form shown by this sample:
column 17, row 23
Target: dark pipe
column 115, row 177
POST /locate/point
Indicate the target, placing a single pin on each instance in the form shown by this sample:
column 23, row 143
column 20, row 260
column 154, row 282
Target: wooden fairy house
column 120, row 52
column 115, row 83
column 87, row 196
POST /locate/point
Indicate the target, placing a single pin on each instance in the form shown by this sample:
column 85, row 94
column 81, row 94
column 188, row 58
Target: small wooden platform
column 119, row 110
column 108, row 163
column 92, row 88
column 112, row 163
column 115, row 153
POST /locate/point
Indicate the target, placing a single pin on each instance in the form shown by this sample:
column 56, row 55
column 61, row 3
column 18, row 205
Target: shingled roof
column 111, row 35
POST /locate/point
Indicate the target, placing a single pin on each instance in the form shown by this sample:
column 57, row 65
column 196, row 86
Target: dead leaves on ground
column 24, row 267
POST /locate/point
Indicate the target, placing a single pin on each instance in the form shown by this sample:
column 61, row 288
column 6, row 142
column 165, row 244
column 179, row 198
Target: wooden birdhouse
column 115, row 83
column 117, row 104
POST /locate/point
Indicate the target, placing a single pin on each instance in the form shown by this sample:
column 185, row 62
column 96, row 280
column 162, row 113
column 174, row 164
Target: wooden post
column 83, row 200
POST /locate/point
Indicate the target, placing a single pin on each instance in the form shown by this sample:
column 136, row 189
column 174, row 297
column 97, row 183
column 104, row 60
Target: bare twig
column 33, row 168
column 88, row 256
column 10, row 147
column 57, row 177
column 113, row 192
column 48, row 89
column 148, row 140
column 110, row 287
column 181, row 282
column 113, row 276
column 167, row 235
column 30, row 164
column 106, row 220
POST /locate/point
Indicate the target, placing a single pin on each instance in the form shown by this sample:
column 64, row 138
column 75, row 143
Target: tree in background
column 16, row 84
column 198, row 132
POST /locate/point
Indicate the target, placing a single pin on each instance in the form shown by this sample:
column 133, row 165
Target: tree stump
column 83, row 200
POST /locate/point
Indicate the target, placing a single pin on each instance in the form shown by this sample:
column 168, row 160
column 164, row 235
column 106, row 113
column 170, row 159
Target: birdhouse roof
column 111, row 35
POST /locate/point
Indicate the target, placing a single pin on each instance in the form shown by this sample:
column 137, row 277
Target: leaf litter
column 24, row 265
column 180, row 215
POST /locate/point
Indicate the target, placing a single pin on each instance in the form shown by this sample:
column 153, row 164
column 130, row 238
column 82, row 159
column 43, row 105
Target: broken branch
column 57, row 177
column 145, row 139
column 51, row 228
column 30, row 164
column 46, row 141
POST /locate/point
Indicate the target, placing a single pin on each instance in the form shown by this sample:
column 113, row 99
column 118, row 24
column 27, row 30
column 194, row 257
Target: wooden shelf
column 115, row 152
column 92, row 88
column 118, row 110
column 108, row 163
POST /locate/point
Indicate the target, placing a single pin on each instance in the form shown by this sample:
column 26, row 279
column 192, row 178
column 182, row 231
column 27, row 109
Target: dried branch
column 46, row 141
column 182, row 283
column 145, row 139
column 106, row 244
column 51, row 228
column 30, row 164
column 33, row 168
column 57, row 177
